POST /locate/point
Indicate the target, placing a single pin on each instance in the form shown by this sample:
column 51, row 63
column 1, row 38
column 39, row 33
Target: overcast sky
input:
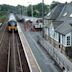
column 27, row 2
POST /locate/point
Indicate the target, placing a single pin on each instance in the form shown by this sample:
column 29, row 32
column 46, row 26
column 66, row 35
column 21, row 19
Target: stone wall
column 55, row 44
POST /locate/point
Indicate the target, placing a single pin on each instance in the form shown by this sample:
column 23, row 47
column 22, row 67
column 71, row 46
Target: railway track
column 2, row 31
column 4, row 39
column 12, row 57
column 16, row 58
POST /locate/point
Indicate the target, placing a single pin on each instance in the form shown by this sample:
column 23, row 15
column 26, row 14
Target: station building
column 58, row 30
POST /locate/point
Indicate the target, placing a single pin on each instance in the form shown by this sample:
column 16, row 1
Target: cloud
column 27, row 2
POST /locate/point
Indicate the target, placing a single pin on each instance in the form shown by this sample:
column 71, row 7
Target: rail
column 8, row 57
column 19, row 58
column 14, row 55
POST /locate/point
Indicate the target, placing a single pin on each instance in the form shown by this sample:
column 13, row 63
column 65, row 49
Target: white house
column 59, row 26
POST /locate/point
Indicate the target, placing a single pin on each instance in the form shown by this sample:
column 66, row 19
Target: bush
column 3, row 18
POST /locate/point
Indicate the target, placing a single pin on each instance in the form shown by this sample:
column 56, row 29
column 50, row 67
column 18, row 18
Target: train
column 12, row 23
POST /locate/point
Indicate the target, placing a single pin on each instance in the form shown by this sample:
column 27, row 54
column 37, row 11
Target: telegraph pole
column 26, row 11
column 32, row 10
column 21, row 11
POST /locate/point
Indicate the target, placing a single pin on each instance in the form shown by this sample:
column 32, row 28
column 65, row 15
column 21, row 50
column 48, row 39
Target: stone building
column 59, row 27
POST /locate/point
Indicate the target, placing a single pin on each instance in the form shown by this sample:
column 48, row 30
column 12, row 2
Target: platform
column 33, row 65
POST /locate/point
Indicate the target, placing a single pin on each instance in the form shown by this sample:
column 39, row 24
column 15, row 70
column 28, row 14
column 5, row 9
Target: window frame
column 68, row 41
column 65, row 14
column 70, row 15
column 49, row 14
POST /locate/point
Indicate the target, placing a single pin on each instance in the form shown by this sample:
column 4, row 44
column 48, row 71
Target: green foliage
column 37, row 9
column 3, row 18
column 29, row 10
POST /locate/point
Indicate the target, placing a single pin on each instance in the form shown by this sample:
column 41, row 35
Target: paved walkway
column 45, row 62
column 54, row 52
column 33, row 65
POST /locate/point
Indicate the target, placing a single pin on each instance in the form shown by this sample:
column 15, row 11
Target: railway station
column 37, row 44
column 24, row 51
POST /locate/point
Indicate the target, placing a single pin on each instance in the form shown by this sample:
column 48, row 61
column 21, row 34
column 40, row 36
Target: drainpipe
column 71, row 38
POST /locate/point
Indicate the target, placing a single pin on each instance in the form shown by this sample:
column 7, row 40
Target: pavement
column 56, row 54
column 45, row 62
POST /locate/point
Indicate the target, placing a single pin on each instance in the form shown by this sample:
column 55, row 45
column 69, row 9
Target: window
column 68, row 40
column 48, row 13
column 59, row 39
column 65, row 14
column 70, row 15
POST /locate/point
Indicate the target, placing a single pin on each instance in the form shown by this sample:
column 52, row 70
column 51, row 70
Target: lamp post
column 43, row 15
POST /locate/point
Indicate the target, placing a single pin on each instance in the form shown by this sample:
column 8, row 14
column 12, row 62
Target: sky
column 27, row 2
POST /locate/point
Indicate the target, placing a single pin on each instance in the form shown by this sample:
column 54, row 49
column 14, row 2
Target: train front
column 12, row 23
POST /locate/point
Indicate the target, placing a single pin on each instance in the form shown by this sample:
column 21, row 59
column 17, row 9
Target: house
column 59, row 27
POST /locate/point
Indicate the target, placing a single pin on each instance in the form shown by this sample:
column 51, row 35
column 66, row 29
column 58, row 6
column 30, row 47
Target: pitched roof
column 64, row 28
column 55, row 11
column 57, row 23
column 66, row 9
column 62, row 18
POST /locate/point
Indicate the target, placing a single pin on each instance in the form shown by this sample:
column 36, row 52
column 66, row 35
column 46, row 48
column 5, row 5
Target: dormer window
column 48, row 13
column 65, row 14
column 71, row 15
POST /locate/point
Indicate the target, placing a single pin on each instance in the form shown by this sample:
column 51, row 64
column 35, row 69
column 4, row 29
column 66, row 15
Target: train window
column 12, row 23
